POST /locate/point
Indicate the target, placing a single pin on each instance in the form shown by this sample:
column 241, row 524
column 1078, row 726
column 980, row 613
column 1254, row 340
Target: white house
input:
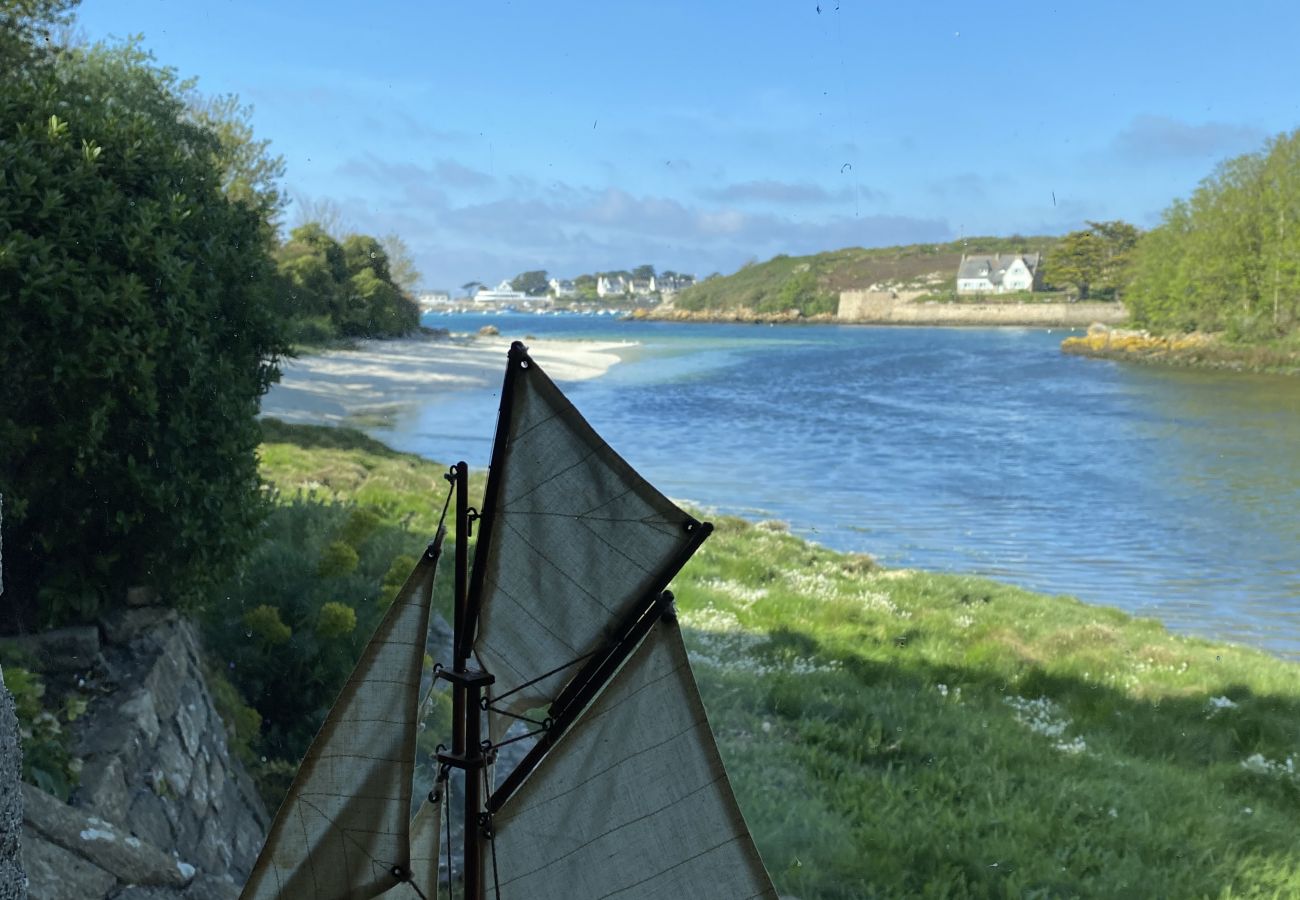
column 668, row 285
column 997, row 274
column 433, row 298
column 504, row 293
column 612, row 287
column 562, row 288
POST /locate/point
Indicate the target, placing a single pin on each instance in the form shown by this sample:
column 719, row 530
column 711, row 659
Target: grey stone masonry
column 13, row 881
column 164, row 810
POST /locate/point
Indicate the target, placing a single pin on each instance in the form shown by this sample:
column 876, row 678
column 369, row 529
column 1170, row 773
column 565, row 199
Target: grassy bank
column 900, row 734
column 1197, row 350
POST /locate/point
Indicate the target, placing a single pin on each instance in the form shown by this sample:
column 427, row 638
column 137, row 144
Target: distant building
column 642, row 287
column 562, row 288
column 998, row 274
column 671, row 284
column 429, row 299
column 612, row 287
column 503, row 293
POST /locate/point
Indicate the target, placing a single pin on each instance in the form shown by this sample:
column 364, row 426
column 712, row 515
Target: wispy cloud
column 1160, row 138
column 770, row 191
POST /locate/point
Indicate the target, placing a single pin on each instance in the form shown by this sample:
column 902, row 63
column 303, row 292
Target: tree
column 471, row 287
column 1093, row 259
column 404, row 273
column 533, row 283
column 643, row 273
column 139, row 333
column 1228, row 258
column 250, row 174
column 361, row 251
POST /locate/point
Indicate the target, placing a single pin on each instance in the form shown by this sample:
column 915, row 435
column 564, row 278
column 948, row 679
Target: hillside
column 811, row 284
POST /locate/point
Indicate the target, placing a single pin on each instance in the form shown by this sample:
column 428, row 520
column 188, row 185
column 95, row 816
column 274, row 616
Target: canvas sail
column 578, row 538
column 343, row 831
column 633, row 802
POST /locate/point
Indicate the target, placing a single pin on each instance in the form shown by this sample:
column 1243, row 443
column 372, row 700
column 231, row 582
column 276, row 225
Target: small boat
column 564, row 623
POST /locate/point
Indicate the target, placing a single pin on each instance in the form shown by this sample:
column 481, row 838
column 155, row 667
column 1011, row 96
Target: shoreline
column 379, row 378
column 1196, row 350
column 939, row 315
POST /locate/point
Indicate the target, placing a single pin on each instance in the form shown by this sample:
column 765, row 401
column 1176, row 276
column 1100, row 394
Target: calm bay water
column 1166, row 493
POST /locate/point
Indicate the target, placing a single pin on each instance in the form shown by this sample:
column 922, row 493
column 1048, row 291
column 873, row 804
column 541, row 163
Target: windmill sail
column 578, row 539
column 343, row 831
column 633, row 802
column 626, row 794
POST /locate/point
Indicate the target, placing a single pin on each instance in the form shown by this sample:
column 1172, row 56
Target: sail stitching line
column 567, row 577
column 705, row 852
column 590, row 718
column 629, row 823
column 558, row 638
column 545, row 481
column 346, row 835
column 694, row 727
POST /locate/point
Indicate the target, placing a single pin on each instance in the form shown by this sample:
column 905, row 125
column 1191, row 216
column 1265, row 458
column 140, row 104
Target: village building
column 561, row 288
column 611, row 287
column 503, row 293
column 671, row 284
column 998, row 274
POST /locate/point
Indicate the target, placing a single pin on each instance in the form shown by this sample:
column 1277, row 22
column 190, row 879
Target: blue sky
column 694, row 136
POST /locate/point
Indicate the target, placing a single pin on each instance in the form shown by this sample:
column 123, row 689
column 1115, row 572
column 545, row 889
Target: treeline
column 1228, row 258
column 145, row 301
column 329, row 289
column 536, row 282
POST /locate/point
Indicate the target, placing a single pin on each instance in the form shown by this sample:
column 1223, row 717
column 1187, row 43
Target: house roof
column 993, row 267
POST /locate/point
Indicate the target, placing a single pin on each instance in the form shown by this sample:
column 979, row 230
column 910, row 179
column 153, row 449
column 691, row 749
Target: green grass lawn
column 893, row 733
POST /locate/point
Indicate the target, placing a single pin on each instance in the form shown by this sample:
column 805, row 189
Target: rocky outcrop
column 13, row 881
column 164, row 809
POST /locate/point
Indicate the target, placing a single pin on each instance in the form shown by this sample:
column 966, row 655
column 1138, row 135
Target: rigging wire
column 573, row 662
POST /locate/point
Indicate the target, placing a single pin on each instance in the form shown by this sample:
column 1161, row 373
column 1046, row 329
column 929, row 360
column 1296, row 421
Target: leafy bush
column 139, row 335
column 288, row 629
column 48, row 762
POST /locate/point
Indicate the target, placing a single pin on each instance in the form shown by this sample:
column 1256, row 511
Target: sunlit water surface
column 1167, row 493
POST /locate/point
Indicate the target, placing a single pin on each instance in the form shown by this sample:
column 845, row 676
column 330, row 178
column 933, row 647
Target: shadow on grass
column 274, row 431
column 958, row 780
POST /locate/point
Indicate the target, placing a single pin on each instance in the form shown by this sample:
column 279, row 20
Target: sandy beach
column 370, row 384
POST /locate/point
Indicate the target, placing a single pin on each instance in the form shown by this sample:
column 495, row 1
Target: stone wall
column 13, row 881
column 164, row 809
column 883, row 308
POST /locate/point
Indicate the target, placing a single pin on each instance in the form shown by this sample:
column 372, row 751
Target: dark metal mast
column 467, row 691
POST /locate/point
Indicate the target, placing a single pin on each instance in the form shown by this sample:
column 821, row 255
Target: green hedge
column 137, row 338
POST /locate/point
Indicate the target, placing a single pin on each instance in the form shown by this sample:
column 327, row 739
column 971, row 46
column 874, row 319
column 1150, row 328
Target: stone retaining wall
column 882, row 308
column 164, row 809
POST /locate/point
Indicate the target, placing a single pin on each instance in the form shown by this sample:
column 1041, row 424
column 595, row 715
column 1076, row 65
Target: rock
column 141, row 595
column 204, row 887
column 148, row 819
column 489, row 331
column 59, row 874
column 124, row 625
column 103, row 789
column 13, row 880
column 124, row 856
column 74, row 649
